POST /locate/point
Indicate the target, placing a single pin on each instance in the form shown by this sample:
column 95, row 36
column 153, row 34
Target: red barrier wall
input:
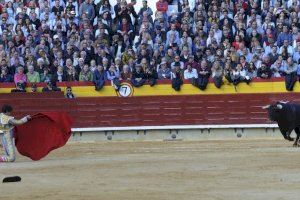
column 148, row 111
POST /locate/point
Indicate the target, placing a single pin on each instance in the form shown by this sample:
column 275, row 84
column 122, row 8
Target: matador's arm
column 19, row 121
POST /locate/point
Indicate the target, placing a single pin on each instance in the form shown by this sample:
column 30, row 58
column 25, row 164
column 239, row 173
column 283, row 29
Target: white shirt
column 290, row 50
column 190, row 74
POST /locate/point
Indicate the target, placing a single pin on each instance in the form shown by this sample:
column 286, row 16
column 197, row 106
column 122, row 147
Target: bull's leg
column 286, row 134
column 296, row 143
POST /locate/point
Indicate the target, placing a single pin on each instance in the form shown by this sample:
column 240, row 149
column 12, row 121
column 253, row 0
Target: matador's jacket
column 6, row 128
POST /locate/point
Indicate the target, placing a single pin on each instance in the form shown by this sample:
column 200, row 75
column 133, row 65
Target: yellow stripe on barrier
column 166, row 89
column 187, row 89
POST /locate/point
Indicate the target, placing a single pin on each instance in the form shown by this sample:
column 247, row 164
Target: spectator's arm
column 93, row 12
column 97, row 76
column 279, row 40
column 80, row 10
column 185, row 74
column 150, row 12
column 38, row 80
column 109, row 77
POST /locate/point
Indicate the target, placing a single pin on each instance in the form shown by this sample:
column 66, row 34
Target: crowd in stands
column 93, row 40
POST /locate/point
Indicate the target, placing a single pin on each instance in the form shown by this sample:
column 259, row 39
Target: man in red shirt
column 162, row 6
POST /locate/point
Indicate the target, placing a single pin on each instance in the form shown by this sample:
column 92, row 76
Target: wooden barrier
column 151, row 111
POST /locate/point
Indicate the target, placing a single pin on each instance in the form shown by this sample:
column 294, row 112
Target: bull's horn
column 284, row 102
column 279, row 106
column 266, row 107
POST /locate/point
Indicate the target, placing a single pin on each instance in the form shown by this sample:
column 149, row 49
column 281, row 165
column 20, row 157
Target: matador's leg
column 7, row 142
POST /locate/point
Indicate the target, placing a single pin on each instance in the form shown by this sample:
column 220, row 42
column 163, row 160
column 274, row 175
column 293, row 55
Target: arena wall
column 160, row 116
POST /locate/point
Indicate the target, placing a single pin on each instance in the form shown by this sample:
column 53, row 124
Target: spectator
column 264, row 72
column 177, row 62
column 60, row 75
column 99, row 77
column 60, row 34
column 251, row 71
column 87, row 9
column 20, row 77
column 85, row 74
column 33, row 87
column 71, row 74
column 5, row 77
column 113, row 75
column 239, row 75
column 126, row 73
column 19, row 88
column 177, row 78
column 217, row 74
column 290, row 72
column 138, row 76
column 191, row 62
column 151, row 75
column 45, row 76
column 277, row 67
column 50, row 87
column 284, row 35
column 162, row 6
column 163, row 71
column 69, row 93
column 145, row 9
column 190, row 73
column 32, row 76
column 203, row 75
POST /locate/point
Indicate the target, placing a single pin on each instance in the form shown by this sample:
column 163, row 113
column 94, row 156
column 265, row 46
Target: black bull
column 287, row 116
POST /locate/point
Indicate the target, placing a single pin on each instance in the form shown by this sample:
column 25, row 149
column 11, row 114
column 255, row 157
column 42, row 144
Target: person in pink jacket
column 20, row 76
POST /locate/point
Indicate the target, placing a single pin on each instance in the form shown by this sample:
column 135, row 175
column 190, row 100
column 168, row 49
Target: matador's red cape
column 43, row 133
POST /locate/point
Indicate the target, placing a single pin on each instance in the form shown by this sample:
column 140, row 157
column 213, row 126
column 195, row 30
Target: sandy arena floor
column 210, row 170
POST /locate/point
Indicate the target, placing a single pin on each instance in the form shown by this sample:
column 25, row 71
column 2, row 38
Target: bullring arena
column 166, row 99
column 211, row 170
column 209, row 156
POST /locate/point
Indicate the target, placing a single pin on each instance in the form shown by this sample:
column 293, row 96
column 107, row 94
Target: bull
column 287, row 116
